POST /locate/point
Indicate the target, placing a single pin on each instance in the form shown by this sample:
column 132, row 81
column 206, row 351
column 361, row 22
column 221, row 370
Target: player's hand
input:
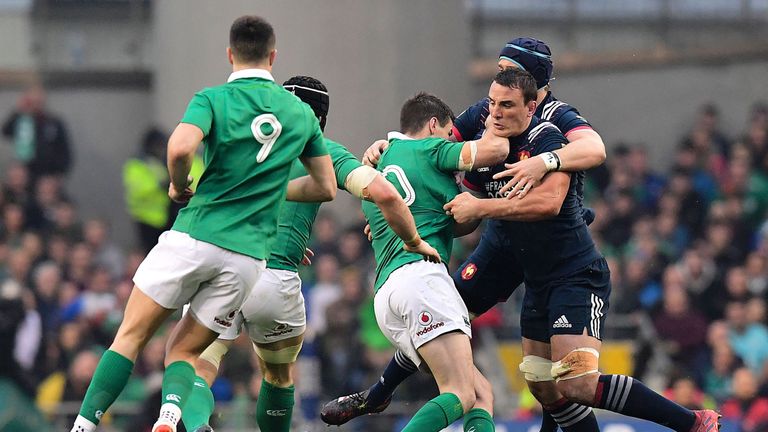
column 424, row 249
column 306, row 260
column 526, row 175
column 367, row 232
column 373, row 153
column 463, row 207
column 181, row 196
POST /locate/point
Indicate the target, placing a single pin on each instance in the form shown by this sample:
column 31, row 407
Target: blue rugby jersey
column 552, row 248
column 566, row 117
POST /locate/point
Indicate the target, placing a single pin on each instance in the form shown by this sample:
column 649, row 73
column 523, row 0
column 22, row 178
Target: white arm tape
column 472, row 155
column 536, row 369
column 214, row 353
column 359, row 179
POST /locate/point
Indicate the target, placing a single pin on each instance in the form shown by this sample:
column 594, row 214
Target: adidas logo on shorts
column 562, row 322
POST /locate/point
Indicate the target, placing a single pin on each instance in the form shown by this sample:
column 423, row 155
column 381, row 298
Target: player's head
column 312, row 92
column 427, row 115
column 251, row 41
column 528, row 54
column 512, row 101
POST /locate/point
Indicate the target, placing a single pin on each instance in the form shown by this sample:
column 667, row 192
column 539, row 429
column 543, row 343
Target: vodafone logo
column 425, row 318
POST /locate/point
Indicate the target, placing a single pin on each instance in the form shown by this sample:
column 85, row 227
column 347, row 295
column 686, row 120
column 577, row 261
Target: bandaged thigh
column 536, row 369
column 575, row 364
column 281, row 356
column 214, row 353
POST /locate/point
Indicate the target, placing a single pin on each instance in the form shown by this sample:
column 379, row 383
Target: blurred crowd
column 687, row 245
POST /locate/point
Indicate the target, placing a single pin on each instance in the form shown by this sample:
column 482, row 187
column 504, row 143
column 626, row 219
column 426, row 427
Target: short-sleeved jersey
column 551, row 248
column 422, row 171
column 253, row 131
column 296, row 218
column 566, row 117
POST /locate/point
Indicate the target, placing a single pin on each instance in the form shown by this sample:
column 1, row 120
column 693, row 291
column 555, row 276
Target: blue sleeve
column 569, row 120
column 548, row 140
column 471, row 121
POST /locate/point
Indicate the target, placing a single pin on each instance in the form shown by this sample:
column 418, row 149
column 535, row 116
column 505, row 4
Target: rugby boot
column 706, row 421
column 341, row 410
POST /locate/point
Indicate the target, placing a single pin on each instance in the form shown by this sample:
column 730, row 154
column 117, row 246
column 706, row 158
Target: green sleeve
column 199, row 113
column 344, row 162
column 315, row 146
column 445, row 154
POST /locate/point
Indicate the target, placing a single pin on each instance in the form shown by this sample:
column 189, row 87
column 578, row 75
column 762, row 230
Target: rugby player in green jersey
column 253, row 131
column 273, row 314
column 417, row 306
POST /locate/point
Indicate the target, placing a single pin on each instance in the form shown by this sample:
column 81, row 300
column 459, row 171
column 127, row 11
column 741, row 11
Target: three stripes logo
column 562, row 322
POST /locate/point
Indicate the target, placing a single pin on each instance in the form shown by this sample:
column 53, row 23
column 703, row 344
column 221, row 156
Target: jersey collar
column 250, row 73
column 397, row 135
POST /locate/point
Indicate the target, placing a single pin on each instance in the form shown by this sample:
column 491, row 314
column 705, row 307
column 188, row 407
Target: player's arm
column 585, row 150
column 318, row 186
column 366, row 183
column 542, row 203
column 182, row 146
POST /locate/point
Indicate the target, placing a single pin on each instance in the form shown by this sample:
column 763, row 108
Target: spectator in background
column 105, row 252
column 325, row 291
column 757, row 274
column 756, row 137
column 748, row 340
column 16, row 185
column 710, row 144
column 684, row 392
column 145, row 179
column 648, row 184
column 682, row 329
column 745, row 405
column 718, row 377
column 39, row 138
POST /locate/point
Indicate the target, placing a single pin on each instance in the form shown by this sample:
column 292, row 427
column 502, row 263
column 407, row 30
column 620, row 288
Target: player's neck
column 541, row 94
column 243, row 66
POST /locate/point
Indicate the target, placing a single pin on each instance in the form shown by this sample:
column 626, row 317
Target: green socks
column 436, row 414
column 478, row 420
column 274, row 408
column 199, row 407
column 108, row 381
column 178, row 381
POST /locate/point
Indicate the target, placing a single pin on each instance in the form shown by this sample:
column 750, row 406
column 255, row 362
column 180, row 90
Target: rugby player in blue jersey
column 490, row 276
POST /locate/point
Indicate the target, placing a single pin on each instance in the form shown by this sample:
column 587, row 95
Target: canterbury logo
column 98, row 414
column 276, row 413
column 173, row 398
column 562, row 322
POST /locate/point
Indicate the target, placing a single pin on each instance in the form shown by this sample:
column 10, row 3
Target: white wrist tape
column 359, row 179
column 551, row 161
column 464, row 166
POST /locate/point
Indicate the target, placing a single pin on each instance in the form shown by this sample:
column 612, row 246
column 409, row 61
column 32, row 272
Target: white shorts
column 273, row 311
column 214, row 281
column 418, row 303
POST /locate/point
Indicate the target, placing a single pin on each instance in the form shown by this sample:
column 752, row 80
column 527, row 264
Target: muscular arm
column 393, row 208
column 182, row 146
column 318, row 186
column 585, row 150
column 544, row 202
column 490, row 150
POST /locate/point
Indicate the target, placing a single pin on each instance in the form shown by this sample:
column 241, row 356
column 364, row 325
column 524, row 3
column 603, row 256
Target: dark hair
column 518, row 79
column 251, row 38
column 313, row 93
column 417, row 111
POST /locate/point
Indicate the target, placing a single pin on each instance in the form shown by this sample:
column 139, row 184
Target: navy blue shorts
column 568, row 305
column 490, row 275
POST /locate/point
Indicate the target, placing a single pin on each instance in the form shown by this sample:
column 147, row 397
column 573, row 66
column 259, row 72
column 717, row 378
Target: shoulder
column 555, row 108
column 542, row 131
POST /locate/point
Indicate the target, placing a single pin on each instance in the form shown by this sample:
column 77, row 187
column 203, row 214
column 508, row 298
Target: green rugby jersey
column 296, row 219
column 422, row 171
column 254, row 131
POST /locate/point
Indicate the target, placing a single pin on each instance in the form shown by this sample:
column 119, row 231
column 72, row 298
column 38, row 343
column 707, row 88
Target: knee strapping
column 536, row 369
column 214, row 353
column 282, row 356
column 577, row 363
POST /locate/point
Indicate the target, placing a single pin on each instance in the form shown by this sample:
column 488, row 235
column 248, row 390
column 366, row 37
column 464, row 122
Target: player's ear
column 272, row 55
column 531, row 108
column 432, row 125
column 230, row 56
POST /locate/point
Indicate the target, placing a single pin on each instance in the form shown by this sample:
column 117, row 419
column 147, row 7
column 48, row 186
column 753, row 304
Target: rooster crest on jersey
column 425, row 318
column 469, row 271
